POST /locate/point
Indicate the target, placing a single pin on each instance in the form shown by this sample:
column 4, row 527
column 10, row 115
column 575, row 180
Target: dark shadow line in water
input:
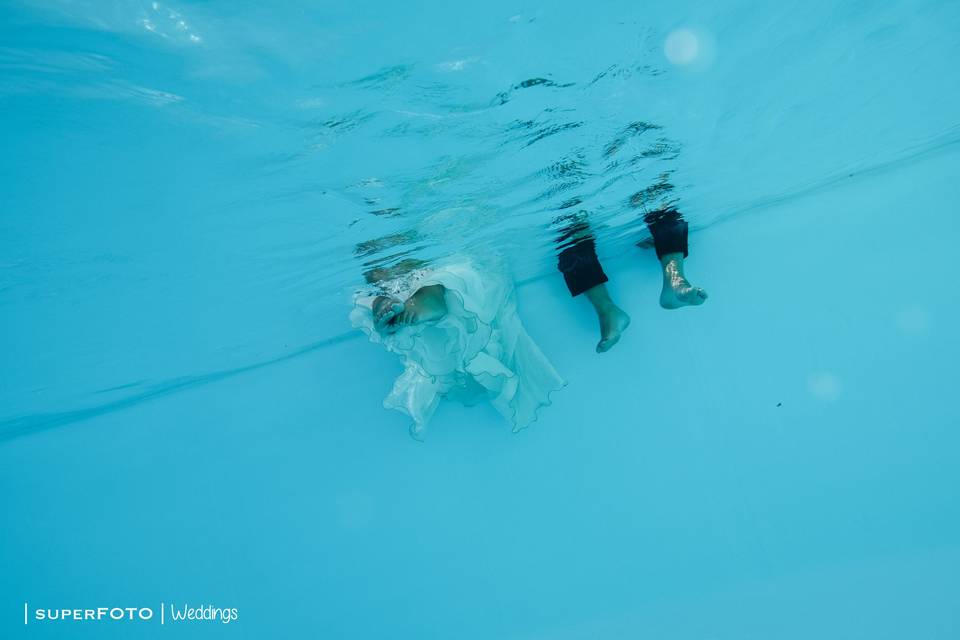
column 26, row 425
column 921, row 151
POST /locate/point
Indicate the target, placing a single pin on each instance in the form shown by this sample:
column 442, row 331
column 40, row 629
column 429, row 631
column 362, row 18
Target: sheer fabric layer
column 478, row 350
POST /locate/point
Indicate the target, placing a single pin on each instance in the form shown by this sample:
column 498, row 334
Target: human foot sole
column 612, row 325
column 426, row 304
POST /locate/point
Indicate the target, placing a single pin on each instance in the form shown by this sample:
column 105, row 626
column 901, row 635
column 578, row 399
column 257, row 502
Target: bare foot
column 613, row 322
column 613, row 319
column 426, row 304
column 385, row 310
column 677, row 291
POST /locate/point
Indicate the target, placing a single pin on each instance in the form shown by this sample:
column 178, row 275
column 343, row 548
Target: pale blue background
column 185, row 416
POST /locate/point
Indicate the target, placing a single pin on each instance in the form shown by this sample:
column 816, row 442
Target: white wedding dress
column 478, row 350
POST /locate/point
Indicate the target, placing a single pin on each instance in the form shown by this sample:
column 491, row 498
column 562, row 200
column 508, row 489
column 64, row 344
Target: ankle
column 672, row 259
column 672, row 264
column 600, row 298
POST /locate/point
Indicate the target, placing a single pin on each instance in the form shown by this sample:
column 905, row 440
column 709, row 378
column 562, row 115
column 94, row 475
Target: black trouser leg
column 669, row 231
column 578, row 260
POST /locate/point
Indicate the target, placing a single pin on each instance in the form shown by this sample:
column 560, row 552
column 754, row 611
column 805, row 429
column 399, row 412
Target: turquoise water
column 192, row 191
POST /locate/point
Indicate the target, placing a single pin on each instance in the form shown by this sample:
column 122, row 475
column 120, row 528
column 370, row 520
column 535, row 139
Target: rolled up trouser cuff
column 669, row 231
column 580, row 267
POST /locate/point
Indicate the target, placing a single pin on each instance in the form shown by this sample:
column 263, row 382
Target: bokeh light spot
column 824, row 385
column 682, row 47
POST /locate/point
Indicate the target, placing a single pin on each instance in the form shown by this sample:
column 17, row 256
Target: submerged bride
column 455, row 326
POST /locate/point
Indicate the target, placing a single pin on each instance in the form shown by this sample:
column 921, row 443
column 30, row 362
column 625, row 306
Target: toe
column 607, row 343
column 384, row 311
column 386, row 319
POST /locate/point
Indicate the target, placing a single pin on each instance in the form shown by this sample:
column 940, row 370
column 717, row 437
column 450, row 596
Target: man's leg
column 669, row 231
column 583, row 274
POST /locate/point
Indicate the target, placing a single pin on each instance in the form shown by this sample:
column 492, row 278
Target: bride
column 455, row 326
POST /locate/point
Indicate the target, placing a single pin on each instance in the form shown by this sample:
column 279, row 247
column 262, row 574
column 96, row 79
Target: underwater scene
column 556, row 321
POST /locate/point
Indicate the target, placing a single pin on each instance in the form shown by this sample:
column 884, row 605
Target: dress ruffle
column 478, row 350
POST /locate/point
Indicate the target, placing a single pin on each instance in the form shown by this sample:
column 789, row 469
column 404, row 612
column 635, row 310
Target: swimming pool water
column 192, row 191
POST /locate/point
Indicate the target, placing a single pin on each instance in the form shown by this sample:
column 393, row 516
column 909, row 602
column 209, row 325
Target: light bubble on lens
column 824, row 385
column 682, row 47
column 913, row 321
